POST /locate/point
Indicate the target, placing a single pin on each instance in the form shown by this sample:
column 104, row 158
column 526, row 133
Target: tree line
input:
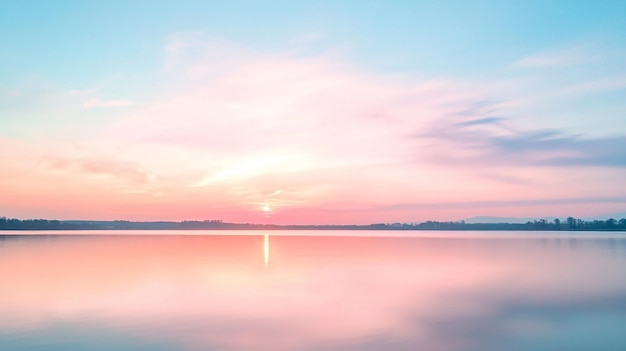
column 570, row 223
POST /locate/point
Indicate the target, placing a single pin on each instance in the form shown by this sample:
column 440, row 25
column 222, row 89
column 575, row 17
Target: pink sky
column 228, row 133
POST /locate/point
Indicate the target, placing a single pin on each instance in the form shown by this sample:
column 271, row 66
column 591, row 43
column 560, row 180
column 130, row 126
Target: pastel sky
column 312, row 112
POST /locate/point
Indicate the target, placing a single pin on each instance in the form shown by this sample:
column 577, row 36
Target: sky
column 319, row 112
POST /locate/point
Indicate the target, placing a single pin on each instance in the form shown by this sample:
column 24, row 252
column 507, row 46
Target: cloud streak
column 564, row 57
column 101, row 168
column 502, row 145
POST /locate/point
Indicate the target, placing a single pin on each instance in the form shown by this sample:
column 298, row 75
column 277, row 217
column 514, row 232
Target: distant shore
column 570, row 224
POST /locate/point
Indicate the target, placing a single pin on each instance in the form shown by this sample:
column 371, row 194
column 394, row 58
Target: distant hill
column 494, row 219
column 605, row 217
column 491, row 219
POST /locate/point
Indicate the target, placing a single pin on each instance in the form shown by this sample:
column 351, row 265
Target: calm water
column 302, row 291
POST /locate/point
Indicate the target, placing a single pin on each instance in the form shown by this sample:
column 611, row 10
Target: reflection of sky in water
column 312, row 293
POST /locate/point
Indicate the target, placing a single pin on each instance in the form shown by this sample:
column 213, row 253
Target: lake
column 313, row 290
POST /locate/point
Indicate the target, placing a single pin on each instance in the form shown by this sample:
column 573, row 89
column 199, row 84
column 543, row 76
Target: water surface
column 329, row 290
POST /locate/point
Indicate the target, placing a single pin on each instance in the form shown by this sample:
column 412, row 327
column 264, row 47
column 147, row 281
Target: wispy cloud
column 496, row 143
column 599, row 85
column 101, row 167
column 512, row 203
column 95, row 103
column 569, row 56
column 480, row 121
column 241, row 170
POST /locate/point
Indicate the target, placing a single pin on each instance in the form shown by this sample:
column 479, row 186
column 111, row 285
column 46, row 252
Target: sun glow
column 266, row 208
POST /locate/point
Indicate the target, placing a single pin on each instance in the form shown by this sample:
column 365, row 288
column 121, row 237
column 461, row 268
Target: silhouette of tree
column 611, row 223
column 571, row 222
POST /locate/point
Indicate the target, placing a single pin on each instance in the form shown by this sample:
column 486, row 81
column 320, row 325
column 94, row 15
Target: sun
column 266, row 208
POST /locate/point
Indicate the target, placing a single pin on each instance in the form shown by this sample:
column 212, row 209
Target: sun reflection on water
column 266, row 250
